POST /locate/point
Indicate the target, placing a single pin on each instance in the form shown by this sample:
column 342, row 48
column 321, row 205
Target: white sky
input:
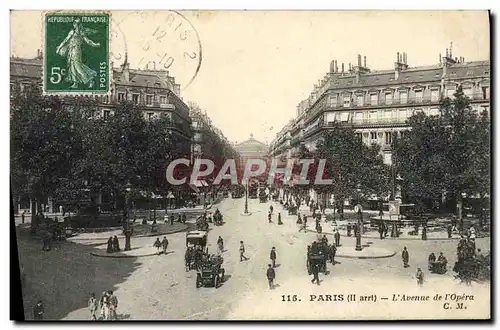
column 257, row 66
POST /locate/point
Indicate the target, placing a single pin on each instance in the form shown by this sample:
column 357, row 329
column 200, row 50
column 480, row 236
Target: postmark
column 163, row 41
column 77, row 46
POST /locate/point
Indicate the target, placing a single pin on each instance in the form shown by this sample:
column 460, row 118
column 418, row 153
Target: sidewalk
column 144, row 231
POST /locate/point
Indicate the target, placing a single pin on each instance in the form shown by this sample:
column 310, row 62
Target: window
column 332, row 101
column 450, row 92
column 388, row 114
column 372, row 115
column 433, row 111
column 388, row 137
column 344, row 116
column 486, row 93
column 402, row 114
column 105, row 114
column 418, row 95
column 403, row 97
column 434, row 95
column 373, row 135
column 163, row 100
column 195, row 124
column 387, row 158
column 135, row 98
column 388, row 98
column 121, row 97
column 329, row 117
column 149, row 99
column 151, row 115
column 347, row 101
column 468, row 92
column 373, row 99
column 359, row 100
column 358, row 116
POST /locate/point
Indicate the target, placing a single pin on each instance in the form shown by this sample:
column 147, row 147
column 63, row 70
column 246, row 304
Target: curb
column 122, row 256
column 391, row 238
column 136, row 236
column 246, row 215
column 367, row 257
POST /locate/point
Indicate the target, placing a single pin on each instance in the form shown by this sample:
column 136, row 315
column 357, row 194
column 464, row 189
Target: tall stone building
column 376, row 104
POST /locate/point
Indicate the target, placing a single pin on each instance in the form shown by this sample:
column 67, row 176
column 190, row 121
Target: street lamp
column 128, row 231
column 360, row 225
column 246, row 198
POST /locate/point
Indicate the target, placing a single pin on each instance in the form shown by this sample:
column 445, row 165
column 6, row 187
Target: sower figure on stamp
column 71, row 48
column 272, row 256
column 406, row 257
column 271, row 275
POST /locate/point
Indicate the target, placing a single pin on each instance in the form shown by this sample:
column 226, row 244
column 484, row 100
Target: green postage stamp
column 76, row 53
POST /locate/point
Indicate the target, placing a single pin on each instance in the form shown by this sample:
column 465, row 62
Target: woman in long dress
column 71, row 48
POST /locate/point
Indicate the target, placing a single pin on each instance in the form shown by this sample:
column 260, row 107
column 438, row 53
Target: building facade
column 152, row 92
column 376, row 104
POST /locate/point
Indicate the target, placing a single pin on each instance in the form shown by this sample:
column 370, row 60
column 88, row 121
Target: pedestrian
column 93, row 307
column 449, row 229
column 116, row 244
column 271, row 275
column 61, row 209
column 279, row 219
column 272, row 256
column 271, row 209
column 324, row 240
column 269, row 217
column 113, row 305
column 22, row 217
column 242, row 251
column 337, row 238
column 184, row 218
column 406, row 257
column 420, row 277
column 424, row 232
column 333, row 252
column 110, row 245
column 315, row 271
column 171, row 219
column 38, row 311
column 103, row 304
column 349, row 229
column 220, row 245
column 157, row 245
column 164, row 244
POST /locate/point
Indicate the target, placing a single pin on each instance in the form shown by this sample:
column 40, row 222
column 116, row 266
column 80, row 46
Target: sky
column 258, row 65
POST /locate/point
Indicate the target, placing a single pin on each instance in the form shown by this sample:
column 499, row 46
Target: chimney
column 451, row 46
column 350, row 69
column 342, row 67
column 440, row 58
column 447, row 55
column 332, row 66
column 364, row 65
column 404, row 58
column 397, row 58
column 359, row 60
column 336, row 67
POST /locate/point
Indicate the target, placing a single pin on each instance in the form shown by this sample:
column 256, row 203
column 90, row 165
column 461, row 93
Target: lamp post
column 360, row 226
column 246, row 198
column 127, row 231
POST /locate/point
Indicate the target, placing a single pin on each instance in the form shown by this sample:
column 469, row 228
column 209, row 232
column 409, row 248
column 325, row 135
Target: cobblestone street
column 158, row 287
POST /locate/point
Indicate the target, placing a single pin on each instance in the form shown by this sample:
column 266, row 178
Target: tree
column 46, row 142
column 446, row 155
column 357, row 170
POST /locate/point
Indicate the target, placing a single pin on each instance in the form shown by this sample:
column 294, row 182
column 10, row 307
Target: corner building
column 376, row 104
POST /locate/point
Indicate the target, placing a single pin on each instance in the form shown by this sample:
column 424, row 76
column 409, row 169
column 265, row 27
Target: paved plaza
column 158, row 287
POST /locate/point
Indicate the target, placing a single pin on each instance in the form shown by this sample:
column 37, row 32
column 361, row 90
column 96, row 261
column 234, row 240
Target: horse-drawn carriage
column 262, row 197
column 201, row 224
column 317, row 254
column 292, row 210
column 210, row 272
column 196, row 242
